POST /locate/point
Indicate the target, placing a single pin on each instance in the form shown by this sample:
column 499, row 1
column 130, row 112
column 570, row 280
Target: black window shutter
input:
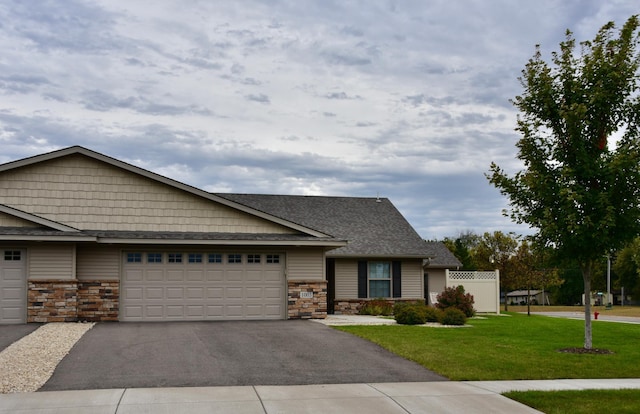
column 396, row 275
column 362, row 278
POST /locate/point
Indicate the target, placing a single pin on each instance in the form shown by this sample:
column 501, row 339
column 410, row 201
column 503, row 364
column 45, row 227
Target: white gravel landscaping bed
column 29, row 362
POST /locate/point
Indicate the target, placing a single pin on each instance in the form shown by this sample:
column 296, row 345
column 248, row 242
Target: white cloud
column 408, row 100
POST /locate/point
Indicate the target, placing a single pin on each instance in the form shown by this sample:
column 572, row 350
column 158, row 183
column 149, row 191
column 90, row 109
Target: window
column 234, row 258
column 253, row 258
column 273, row 258
column 134, row 257
column 12, row 255
column 195, row 258
column 215, row 258
column 175, row 258
column 379, row 279
column 154, row 257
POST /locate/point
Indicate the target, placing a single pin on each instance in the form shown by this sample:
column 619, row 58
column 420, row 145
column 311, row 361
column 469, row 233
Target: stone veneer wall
column 52, row 301
column 98, row 300
column 301, row 307
column 352, row 306
column 71, row 300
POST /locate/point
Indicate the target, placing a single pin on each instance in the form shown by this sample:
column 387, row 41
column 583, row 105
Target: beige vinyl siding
column 51, row 261
column 98, row 262
column 7, row 220
column 91, row 195
column 346, row 278
column 437, row 281
column 306, row 264
column 412, row 279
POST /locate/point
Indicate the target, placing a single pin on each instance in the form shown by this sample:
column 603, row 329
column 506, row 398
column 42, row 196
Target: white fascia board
column 36, row 219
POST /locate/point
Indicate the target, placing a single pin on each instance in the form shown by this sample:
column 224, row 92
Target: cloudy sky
column 403, row 99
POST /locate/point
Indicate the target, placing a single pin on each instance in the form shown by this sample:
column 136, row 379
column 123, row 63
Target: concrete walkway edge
column 402, row 398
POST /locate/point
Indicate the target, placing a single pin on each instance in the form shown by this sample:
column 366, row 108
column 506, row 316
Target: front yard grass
column 580, row 402
column 512, row 347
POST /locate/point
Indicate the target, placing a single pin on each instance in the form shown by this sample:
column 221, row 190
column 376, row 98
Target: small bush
column 454, row 297
column 376, row 307
column 410, row 314
column 453, row 316
column 433, row 314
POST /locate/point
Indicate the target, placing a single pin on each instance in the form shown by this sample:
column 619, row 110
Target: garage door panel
column 195, row 293
column 233, row 293
column 154, row 311
column 254, row 293
column 195, row 275
column 215, row 275
column 133, row 275
column 155, row 275
column 133, row 293
column 234, row 275
column 195, row 311
column 273, row 293
column 202, row 290
column 215, row 311
column 274, row 276
column 153, row 293
column 175, row 275
column 12, row 294
column 254, row 275
column 215, row 293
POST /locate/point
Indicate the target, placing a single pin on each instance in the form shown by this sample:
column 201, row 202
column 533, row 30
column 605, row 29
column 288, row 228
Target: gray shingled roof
column 373, row 226
column 441, row 256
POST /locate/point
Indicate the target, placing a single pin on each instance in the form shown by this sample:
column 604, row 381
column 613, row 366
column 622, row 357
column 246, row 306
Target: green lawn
column 581, row 402
column 513, row 347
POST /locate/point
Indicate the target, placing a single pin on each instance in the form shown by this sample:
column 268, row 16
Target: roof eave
column 294, row 243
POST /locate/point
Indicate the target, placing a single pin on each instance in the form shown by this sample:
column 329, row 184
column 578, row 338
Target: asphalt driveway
column 11, row 333
column 190, row 354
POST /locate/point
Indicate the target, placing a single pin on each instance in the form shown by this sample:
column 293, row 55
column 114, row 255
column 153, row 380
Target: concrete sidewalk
column 387, row 398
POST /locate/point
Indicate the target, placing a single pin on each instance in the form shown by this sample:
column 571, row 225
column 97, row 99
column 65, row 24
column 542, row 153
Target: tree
column 494, row 251
column 580, row 192
column 530, row 272
column 462, row 248
column 627, row 267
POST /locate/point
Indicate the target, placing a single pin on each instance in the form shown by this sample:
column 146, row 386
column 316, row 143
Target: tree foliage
column 579, row 191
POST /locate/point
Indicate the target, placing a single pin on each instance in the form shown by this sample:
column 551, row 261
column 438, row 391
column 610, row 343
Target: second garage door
column 163, row 286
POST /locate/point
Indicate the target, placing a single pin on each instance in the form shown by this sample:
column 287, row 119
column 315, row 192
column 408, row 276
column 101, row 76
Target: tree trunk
column 586, row 277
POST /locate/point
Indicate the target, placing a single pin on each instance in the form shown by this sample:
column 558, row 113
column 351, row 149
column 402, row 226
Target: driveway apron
column 191, row 354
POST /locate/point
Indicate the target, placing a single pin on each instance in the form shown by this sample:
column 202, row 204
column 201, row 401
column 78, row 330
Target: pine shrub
column 376, row 307
column 453, row 316
column 410, row 314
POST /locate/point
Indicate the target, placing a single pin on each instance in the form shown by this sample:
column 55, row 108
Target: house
column 84, row 236
column 519, row 297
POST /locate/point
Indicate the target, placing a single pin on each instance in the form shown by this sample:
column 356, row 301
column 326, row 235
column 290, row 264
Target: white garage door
column 164, row 286
column 13, row 287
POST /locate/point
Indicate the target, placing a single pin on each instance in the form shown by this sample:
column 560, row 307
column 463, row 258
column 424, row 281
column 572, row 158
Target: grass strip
column 580, row 402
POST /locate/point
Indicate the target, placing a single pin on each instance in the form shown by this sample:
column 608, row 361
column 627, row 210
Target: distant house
column 84, row 236
column 522, row 297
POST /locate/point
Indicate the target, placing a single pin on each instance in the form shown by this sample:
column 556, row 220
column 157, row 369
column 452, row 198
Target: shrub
column 453, row 316
column 410, row 314
column 454, row 297
column 433, row 314
column 376, row 307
